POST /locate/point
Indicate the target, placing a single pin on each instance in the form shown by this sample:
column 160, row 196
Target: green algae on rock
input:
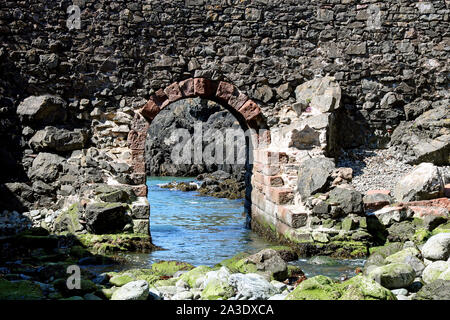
column 20, row 290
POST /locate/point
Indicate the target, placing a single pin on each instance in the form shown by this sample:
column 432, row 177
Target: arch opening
column 245, row 111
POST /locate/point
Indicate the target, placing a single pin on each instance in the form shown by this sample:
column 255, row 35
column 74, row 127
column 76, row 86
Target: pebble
column 400, row 292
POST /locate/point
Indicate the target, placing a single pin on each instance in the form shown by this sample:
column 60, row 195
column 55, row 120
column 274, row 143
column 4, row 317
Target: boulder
column 409, row 256
column 315, row 288
column 45, row 109
column 401, row 231
column 252, row 286
column 389, row 215
column 436, row 290
column 423, row 183
column 393, row 275
column 433, row 271
column 321, row 94
column 375, row 201
column 46, row 167
column 103, row 218
column 437, row 247
column 135, row 290
column 364, row 288
column 350, row 201
column 269, row 263
column 216, row 285
column 20, row 290
column 68, row 221
column 61, row 140
column 120, row 280
column 427, row 139
column 314, row 176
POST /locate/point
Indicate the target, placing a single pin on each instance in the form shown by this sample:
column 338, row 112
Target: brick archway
column 245, row 110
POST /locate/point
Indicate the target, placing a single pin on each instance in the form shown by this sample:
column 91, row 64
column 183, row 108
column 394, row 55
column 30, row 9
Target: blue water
column 196, row 229
column 205, row 230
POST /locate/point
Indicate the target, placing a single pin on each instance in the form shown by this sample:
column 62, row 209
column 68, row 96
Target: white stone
column 434, row 270
column 437, row 247
column 135, row 290
column 423, row 183
column 252, row 286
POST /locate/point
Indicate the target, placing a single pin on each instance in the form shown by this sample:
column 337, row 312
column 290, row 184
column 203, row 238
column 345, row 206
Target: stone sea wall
column 75, row 73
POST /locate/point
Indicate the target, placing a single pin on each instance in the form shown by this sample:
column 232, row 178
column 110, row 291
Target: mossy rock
column 121, row 279
column 107, row 292
column 20, row 290
column 193, row 275
column 134, row 274
column 165, row 282
column 401, row 255
column 109, row 244
column 86, row 286
column 231, row 263
column 364, row 288
column 169, row 268
column 216, row 289
column 388, row 249
column 421, row 235
column 68, row 221
column 287, row 253
column 443, row 228
column 315, row 288
column 294, row 271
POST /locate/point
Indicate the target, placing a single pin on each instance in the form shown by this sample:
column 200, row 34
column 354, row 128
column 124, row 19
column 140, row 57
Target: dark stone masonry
column 353, row 163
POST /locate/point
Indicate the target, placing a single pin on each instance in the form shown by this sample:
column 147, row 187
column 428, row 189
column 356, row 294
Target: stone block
column 187, row 87
column 250, row 110
column 136, row 140
column 280, row 195
column 225, row 91
column 205, row 87
column 140, row 209
column 173, row 92
column 141, row 226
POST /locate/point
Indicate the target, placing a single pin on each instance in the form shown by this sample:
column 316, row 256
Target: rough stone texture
column 436, row 290
column 168, row 48
column 252, row 285
column 106, row 217
column 437, row 247
column 433, row 271
column 427, row 139
column 394, row 275
column 314, row 175
column 187, row 114
column 423, row 183
column 350, row 201
column 323, row 94
column 44, row 109
column 135, row 290
column 62, row 140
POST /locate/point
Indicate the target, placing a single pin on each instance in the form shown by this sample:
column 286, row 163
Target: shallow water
column 205, row 230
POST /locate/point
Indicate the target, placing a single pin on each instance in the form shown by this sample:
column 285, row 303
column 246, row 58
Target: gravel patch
column 378, row 169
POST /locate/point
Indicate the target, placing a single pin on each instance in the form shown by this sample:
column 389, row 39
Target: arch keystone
column 204, row 87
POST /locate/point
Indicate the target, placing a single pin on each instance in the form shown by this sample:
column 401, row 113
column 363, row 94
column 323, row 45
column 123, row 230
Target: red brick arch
column 246, row 111
column 220, row 91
